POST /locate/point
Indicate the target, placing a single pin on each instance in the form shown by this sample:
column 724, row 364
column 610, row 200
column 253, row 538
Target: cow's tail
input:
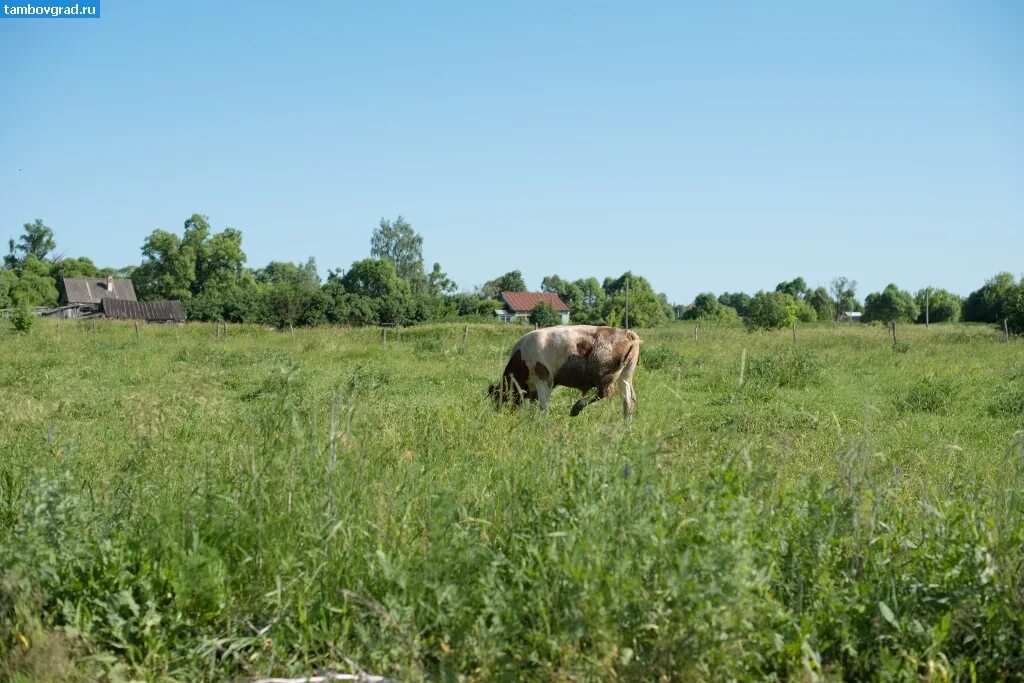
column 629, row 360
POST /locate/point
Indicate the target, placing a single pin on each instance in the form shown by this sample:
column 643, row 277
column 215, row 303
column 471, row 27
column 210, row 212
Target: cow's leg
column 543, row 393
column 628, row 399
column 584, row 401
column 625, row 385
column 543, row 383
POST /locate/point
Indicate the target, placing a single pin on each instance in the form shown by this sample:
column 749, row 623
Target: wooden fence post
column 136, row 330
column 794, row 332
column 465, row 335
column 893, row 333
column 743, row 366
column 1006, row 332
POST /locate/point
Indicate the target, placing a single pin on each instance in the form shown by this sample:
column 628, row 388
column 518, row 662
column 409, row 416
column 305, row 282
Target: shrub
column 22, row 318
column 797, row 368
column 545, row 315
column 660, row 358
column 931, row 395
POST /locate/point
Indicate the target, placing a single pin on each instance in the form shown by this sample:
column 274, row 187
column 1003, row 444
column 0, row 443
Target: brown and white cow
column 583, row 357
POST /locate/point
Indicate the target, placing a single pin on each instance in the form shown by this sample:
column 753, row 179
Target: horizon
column 725, row 148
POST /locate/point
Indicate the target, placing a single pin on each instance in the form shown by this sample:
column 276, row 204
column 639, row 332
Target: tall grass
column 200, row 509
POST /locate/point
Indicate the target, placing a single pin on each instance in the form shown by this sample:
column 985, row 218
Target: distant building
column 518, row 305
column 92, row 290
column 110, row 297
column 850, row 317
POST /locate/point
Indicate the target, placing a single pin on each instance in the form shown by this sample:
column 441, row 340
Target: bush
column 932, row 395
column 797, row 368
column 660, row 358
column 770, row 311
column 545, row 315
column 22, row 318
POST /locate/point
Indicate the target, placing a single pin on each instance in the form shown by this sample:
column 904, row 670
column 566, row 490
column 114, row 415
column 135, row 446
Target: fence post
column 893, row 332
column 695, row 331
column 794, row 332
column 1006, row 332
column 743, row 366
column 384, row 335
column 291, row 329
column 136, row 330
column 465, row 335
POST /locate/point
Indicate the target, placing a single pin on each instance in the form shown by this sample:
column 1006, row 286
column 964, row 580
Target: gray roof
column 151, row 311
column 91, row 290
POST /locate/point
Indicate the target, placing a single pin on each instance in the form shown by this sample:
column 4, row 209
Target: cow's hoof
column 577, row 408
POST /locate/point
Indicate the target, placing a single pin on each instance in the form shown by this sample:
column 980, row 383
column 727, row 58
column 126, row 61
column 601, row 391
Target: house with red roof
column 519, row 304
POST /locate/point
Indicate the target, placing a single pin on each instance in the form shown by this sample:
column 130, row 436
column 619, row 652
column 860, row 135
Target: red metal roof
column 522, row 302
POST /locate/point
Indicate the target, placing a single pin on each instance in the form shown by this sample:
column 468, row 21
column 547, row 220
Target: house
column 83, row 291
column 519, row 304
column 110, row 297
column 850, row 317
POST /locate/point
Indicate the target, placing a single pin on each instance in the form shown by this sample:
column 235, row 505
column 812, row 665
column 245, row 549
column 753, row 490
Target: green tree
column 199, row 263
column 890, row 305
column 823, row 305
column 398, row 243
column 79, row 267
column 645, row 309
column 989, row 303
column 705, row 307
column 438, row 282
column 737, row 300
column 942, row 306
column 8, row 279
column 796, row 288
column 1015, row 309
column 35, row 285
column 771, row 310
column 376, row 280
column 545, row 315
column 844, row 295
column 22, row 318
column 36, row 241
column 511, row 281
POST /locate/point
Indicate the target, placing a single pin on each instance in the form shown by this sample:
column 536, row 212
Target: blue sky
column 708, row 146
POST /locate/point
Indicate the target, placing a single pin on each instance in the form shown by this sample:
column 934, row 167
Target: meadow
column 179, row 506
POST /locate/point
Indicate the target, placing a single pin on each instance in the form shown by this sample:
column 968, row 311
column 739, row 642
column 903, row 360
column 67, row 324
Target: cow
column 583, row 357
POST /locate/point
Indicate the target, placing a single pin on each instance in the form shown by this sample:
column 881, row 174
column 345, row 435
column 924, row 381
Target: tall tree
column 989, row 303
column 439, row 283
column 398, row 243
column 737, row 300
column 36, row 240
column 942, row 306
column 890, row 305
column 821, row 302
column 198, row 263
column 645, row 310
column 844, row 294
column 796, row 288
column 511, row 281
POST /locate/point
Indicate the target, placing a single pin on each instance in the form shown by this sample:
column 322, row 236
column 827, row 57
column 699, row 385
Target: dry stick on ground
column 324, row 678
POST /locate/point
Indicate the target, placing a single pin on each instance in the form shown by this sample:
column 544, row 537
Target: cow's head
column 508, row 392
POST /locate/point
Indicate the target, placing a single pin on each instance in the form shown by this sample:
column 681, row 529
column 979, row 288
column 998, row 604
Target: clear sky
column 708, row 146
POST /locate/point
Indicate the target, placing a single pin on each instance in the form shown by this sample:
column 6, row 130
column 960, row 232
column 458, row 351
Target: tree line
column 1000, row 299
column 207, row 272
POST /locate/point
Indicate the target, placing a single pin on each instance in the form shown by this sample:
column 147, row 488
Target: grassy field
column 175, row 506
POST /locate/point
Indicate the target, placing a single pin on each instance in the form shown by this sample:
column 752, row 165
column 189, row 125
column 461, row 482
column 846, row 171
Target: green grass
column 178, row 507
